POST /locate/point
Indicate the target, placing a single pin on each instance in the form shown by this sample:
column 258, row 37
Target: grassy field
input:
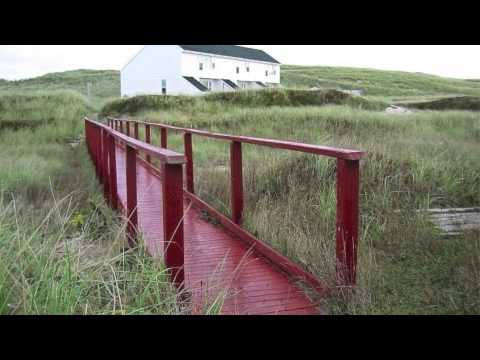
column 419, row 160
column 105, row 84
column 61, row 245
column 389, row 86
column 385, row 86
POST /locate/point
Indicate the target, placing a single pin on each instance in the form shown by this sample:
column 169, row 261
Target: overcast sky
column 25, row 61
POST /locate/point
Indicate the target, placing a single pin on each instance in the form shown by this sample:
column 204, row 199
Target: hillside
column 392, row 85
column 104, row 83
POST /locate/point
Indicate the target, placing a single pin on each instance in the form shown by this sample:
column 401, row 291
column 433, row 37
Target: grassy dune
column 419, row 160
column 383, row 85
column 105, row 84
column 60, row 245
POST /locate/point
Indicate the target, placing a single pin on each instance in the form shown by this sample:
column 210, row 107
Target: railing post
column 187, row 140
column 236, row 181
column 127, row 126
column 121, row 126
column 148, row 140
column 105, row 167
column 131, row 170
column 97, row 152
column 173, row 221
column 113, row 172
column 348, row 178
column 135, row 130
column 163, row 138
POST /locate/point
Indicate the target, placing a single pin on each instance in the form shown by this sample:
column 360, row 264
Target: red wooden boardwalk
column 216, row 261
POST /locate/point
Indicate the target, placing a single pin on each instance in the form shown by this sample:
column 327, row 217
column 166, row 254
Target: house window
column 238, row 70
column 248, row 68
column 266, row 72
column 164, row 87
column 200, row 66
column 213, row 65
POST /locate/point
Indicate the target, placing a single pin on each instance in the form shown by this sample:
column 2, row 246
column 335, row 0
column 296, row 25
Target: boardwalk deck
column 216, row 261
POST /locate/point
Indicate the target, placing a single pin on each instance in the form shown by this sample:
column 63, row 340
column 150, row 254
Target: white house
column 197, row 69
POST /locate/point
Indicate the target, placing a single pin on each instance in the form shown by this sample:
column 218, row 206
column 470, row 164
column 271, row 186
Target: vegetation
column 104, row 84
column 384, row 85
column 415, row 161
column 61, row 248
column 471, row 103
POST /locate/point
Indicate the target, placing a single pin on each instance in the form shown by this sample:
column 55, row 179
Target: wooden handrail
column 164, row 155
column 348, row 180
column 339, row 153
column 100, row 140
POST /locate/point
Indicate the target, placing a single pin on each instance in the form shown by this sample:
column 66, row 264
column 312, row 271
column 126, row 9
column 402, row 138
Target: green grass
column 419, row 160
column 60, row 245
column 105, row 84
column 469, row 103
column 379, row 84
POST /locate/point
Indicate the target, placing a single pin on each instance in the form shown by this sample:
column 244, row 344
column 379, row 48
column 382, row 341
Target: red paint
column 348, row 178
column 280, row 261
column 187, row 140
column 173, row 221
column 347, row 154
column 202, row 247
column 113, row 172
column 148, row 140
column 135, row 130
column 163, row 138
column 347, row 201
column 105, row 167
column 215, row 258
column 236, row 181
column 131, row 185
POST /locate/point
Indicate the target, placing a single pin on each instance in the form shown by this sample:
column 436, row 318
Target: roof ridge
column 236, row 51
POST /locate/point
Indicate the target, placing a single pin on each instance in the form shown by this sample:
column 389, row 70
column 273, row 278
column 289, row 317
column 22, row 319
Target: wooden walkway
column 217, row 263
column 214, row 260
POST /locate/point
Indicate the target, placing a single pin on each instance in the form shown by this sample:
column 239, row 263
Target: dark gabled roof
column 196, row 83
column 232, row 51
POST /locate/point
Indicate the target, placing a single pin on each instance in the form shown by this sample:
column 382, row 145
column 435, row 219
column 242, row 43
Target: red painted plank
column 173, row 221
column 212, row 259
column 200, row 264
column 163, row 138
column 346, row 154
column 148, row 140
column 236, row 181
column 187, row 139
column 347, row 220
column 131, row 186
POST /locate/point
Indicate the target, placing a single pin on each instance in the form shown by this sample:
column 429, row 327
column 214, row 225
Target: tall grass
column 377, row 83
column 61, row 248
column 418, row 160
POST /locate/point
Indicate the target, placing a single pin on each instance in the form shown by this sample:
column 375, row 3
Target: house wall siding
column 225, row 68
column 144, row 74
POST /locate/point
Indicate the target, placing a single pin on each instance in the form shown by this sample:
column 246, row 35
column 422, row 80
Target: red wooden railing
column 101, row 141
column 348, row 177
